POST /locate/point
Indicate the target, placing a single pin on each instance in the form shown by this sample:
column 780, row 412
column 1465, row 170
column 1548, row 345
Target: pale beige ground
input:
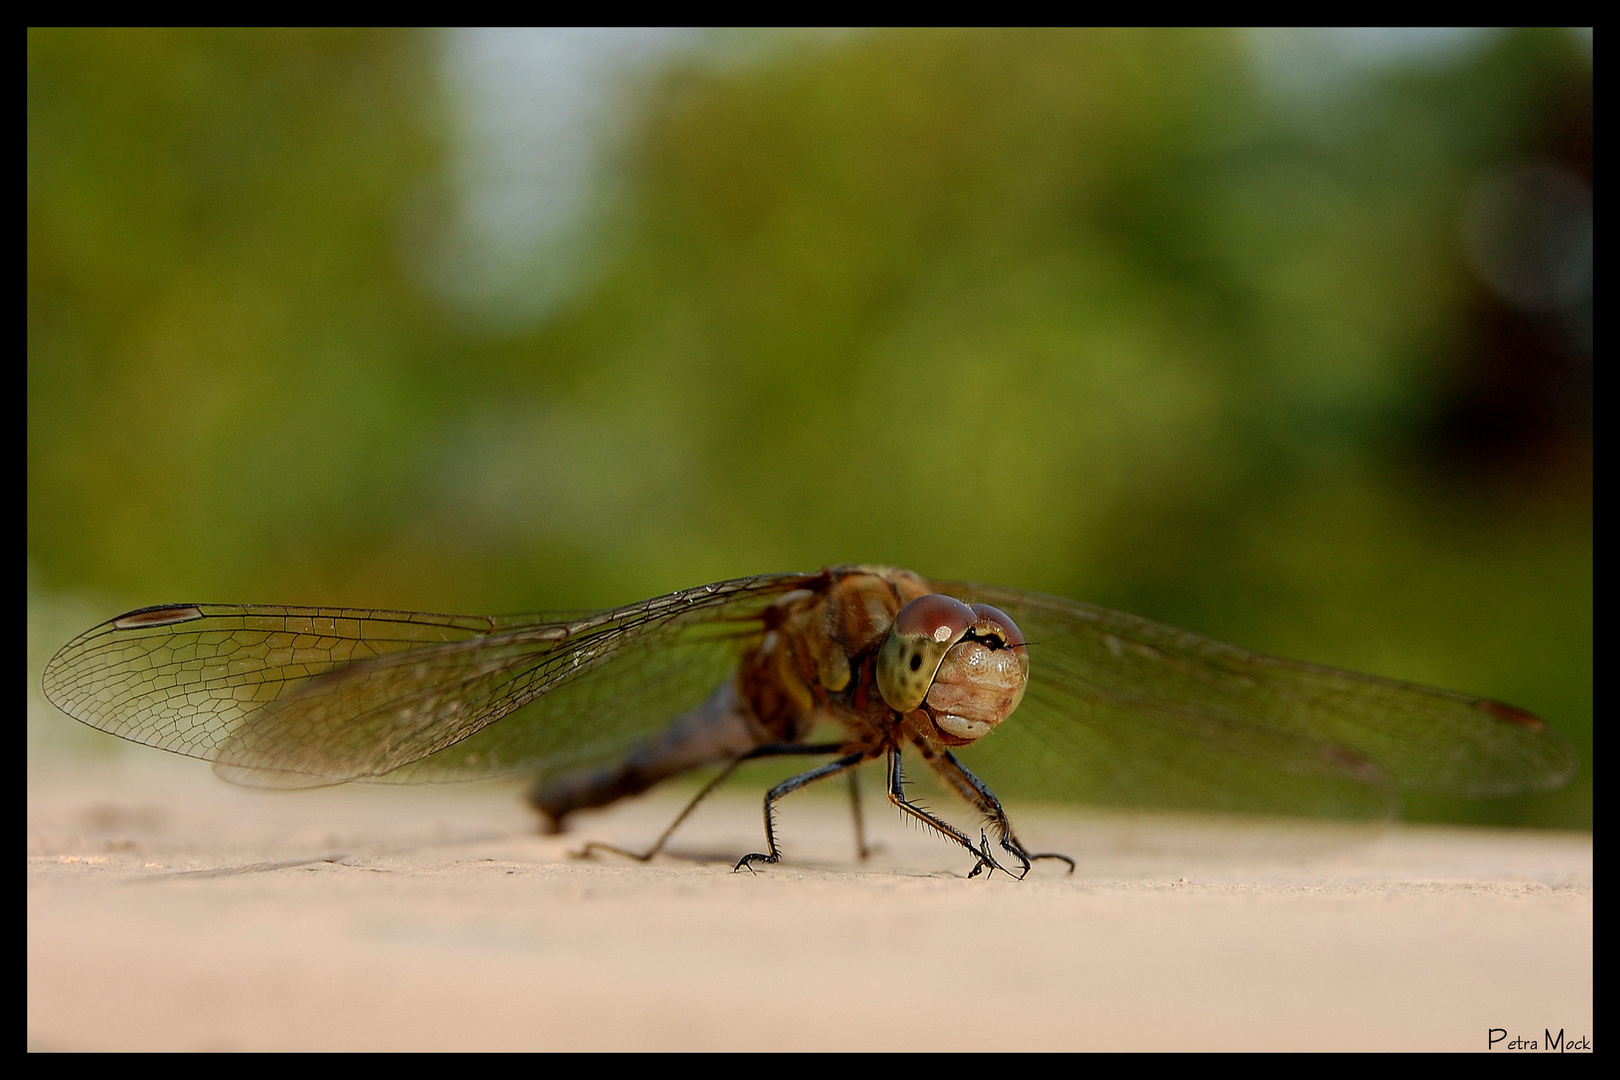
column 168, row 910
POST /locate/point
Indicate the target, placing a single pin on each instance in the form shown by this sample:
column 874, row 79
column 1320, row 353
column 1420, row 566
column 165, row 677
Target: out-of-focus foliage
column 1098, row 314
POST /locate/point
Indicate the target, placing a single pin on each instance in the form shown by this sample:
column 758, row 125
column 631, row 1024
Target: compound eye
column 938, row 618
column 992, row 622
column 922, row 634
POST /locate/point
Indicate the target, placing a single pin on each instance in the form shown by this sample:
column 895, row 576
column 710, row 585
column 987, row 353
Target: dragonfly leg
column 768, row 750
column 978, row 793
column 591, row 848
column 861, row 850
column 787, row 787
column 897, row 795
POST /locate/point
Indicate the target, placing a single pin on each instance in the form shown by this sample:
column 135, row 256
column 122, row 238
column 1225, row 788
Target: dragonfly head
column 964, row 665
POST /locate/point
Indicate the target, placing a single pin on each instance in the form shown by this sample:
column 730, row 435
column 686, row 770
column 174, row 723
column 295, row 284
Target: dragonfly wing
column 186, row 678
column 595, row 717
column 1126, row 711
column 300, row 697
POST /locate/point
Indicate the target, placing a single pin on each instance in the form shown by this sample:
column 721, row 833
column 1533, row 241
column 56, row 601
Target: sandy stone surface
column 170, row 911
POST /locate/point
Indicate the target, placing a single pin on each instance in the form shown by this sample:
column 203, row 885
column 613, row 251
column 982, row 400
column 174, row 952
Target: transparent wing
column 301, row 697
column 1124, row 711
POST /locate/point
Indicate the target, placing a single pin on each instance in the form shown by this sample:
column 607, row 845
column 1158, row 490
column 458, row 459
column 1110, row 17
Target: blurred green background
column 1285, row 338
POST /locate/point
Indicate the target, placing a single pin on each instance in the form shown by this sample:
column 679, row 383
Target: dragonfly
column 1055, row 699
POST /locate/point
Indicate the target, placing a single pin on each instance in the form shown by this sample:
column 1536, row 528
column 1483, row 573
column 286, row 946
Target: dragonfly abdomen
column 720, row 729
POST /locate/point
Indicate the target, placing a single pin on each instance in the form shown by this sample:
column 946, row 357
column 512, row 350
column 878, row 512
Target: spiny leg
column 897, row 795
column 974, row 792
column 768, row 750
column 978, row 793
column 787, row 787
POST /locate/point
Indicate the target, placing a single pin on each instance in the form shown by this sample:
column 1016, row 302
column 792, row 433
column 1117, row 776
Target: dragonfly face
column 1110, row 708
column 963, row 666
